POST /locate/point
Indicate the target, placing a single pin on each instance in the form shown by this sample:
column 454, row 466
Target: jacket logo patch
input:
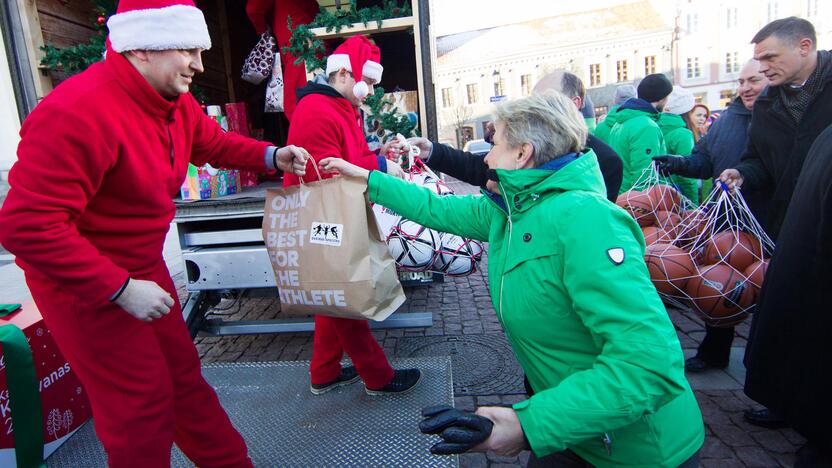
column 616, row 255
column 326, row 233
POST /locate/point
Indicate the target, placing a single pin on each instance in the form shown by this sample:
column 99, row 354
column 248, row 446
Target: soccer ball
column 457, row 256
column 413, row 246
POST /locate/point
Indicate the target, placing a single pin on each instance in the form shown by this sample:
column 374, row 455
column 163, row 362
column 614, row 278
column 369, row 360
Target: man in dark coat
column 471, row 169
column 787, row 118
column 718, row 150
column 789, row 367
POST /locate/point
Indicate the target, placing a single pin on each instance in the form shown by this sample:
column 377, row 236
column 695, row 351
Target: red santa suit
column 327, row 125
column 89, row 207
column 301, row 12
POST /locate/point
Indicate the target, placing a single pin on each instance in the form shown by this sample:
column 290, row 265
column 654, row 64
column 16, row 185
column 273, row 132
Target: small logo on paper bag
column 326, row 233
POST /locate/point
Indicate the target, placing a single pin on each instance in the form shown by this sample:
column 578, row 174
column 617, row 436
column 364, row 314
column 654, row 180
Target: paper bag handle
column 317, row 171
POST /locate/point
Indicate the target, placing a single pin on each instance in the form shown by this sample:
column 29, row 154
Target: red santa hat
column 360, row 57
column 158, row 25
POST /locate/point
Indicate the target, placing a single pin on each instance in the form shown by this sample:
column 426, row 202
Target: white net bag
column 656, row 205
column 716, row 260
column 419, row 249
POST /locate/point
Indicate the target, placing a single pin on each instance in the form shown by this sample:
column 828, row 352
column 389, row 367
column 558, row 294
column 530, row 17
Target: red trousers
column 333, row 337
column 143, row 380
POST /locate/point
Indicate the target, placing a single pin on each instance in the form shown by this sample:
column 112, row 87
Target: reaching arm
column 461, row 165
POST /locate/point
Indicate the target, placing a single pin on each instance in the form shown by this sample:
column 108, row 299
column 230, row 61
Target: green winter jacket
column 602, row 129
column 570, row 287
column 679, row 141
column 636, row 137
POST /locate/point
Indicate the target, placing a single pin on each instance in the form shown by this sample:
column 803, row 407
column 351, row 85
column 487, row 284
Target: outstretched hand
column 732, row 178
column 292, row 159
column 340, row 166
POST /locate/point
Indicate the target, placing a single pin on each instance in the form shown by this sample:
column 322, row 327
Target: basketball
column 670, row 268
column 721, row 294
column 737, row 248
column 669, row 222
column 638, row 205
column 651, row 234
column 664, row 198
column 412, row 246
column 756, row 272
column 694, row 223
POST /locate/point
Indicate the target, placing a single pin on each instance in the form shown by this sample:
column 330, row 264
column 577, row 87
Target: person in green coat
column 636, row 135
column 572, row 292
column 602, row 130
column 678, row 137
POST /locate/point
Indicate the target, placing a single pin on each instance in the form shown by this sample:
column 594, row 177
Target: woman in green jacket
column 570, row 287
column 679, row 137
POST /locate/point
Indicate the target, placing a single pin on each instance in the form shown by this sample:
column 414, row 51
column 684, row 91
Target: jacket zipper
column 505, row 257
column 170, row 140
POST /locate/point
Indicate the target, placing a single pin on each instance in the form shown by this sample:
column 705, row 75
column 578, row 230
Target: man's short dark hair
column 791, row 29
column 572, row 86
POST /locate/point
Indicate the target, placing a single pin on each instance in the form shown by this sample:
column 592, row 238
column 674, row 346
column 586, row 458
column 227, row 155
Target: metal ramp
column 285, row 425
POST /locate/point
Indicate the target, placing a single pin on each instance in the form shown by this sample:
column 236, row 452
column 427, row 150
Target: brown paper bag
column 326, row 251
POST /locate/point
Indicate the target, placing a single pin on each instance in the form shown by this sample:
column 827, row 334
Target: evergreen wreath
column 388, row 118
column 304, row 46
column 75, row 59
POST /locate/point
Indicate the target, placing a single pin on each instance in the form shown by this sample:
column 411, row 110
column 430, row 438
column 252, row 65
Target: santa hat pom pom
column 360, row 89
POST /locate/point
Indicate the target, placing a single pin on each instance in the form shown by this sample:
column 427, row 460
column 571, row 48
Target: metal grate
column 285, row 425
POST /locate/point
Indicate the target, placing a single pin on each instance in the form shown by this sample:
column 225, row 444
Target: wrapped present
column 203, row 183
column 237, row 118
column 37, row 385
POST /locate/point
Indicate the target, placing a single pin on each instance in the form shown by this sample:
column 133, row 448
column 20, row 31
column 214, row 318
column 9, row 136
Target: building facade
column 700, row 44
column 714, row 40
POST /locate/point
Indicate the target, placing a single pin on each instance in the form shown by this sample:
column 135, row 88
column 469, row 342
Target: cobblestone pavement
column 462, row 312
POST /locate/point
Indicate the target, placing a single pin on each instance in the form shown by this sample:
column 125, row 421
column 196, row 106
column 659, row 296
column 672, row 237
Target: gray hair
column 549, row 121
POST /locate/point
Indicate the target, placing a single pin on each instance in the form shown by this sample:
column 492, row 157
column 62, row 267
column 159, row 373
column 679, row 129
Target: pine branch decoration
column 304, row 46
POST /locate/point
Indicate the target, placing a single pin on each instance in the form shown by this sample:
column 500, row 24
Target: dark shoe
column 403, row 381
column 764, row 418
column 810, row 456
column 697, row 364
column 347, row 376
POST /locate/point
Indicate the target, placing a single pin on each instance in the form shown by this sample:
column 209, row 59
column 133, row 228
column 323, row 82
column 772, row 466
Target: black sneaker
column 403, row 381
column 697, row 364
column 347, row 376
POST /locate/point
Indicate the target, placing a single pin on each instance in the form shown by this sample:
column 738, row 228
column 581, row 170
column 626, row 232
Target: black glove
column 668, row 164
column 460, row 430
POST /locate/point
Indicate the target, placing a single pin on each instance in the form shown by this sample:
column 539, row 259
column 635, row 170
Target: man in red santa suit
column 327, row 123
column 87, row 214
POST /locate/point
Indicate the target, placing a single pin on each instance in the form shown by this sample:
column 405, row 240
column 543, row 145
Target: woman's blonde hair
column 549, row 121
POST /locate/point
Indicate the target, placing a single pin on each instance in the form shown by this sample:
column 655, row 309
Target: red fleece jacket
column 327, row 125
column 98, row 163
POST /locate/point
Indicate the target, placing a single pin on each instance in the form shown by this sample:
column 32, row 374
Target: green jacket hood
column 669, row 122
column 581, row 174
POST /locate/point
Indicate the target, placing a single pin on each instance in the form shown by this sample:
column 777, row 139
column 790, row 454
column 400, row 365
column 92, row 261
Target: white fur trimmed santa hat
column 361, row 58
column 158, row 25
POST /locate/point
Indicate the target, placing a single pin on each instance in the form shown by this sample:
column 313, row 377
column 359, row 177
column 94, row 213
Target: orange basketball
column 739, row 249
column 721, row 294
column 637, row 203
column 670, row 268
column 669, row 221
column 693, row 224
column 651, row 234
column 756, row 272
column 664, row 198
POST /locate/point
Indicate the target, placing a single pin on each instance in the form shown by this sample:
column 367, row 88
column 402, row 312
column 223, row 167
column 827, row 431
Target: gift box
column 203, row 183
column 63, row 402
column 238, row 123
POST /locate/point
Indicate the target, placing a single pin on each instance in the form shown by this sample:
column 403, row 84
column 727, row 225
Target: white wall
column 9, row 120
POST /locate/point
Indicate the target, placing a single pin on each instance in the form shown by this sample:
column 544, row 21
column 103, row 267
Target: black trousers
column 715, row 348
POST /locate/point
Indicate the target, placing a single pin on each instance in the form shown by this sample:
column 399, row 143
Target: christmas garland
column 384, row 112
column 75, row 59
column 307, row 48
